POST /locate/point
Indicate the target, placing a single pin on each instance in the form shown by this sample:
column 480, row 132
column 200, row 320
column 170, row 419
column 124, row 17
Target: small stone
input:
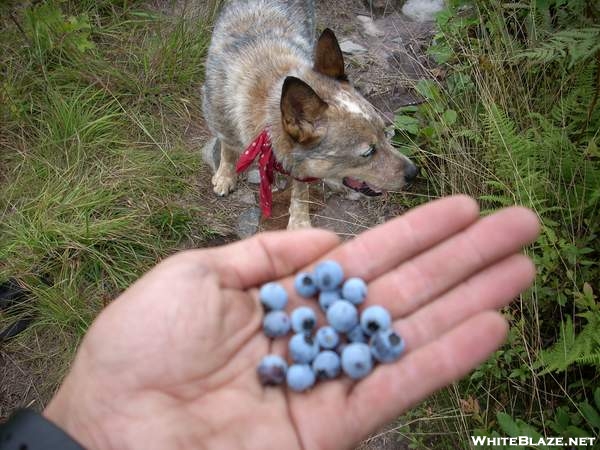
column 422, row 10
column 352, row 48
column 244, row 196
column 369, row 26
column 253, row 176
column 380, row 6
column 248, row 223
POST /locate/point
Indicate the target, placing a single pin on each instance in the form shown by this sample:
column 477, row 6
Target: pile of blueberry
column 351, row 342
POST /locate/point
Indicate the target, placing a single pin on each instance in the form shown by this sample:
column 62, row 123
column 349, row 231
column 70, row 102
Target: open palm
column 171, row 364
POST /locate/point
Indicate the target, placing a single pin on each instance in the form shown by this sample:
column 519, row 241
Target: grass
column 97, row 178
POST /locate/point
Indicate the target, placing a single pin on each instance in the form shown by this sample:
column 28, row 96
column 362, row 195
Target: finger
column 490, row 289
column 382, row 248
column 392, row 389
column 428, row 275
column 378, row 250
column 266, row 256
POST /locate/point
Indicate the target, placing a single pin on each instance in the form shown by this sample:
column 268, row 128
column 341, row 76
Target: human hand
column 171, row 363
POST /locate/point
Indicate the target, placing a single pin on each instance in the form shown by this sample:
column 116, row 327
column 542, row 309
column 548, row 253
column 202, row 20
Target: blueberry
column 354, row 290
column 276, row 324
column 273, row 296
column 305, row 285
column 342, row 316
column 303, row 319
column 386, row 346
column 327, row 337
column 328, row 275
column 272, row 370
column 303, row 348
column 300, row 377
column 326, row 365
column 357, row 362
column 357, row 334
column 327, row 298
column 375, row 318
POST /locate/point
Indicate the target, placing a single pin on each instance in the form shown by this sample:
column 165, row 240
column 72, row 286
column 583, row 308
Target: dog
column 270, row 97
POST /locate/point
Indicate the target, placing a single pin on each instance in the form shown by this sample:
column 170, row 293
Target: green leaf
column 508, row 425
column 407, row 150
column 590, row 414
column 597, row 398
column 428, row 89
column 441, row 53
column 562, row 418
column 407, row 123
column 428, row 132
column 450, row 117
column 459, row 83
column 408, row 108
column 573, row 431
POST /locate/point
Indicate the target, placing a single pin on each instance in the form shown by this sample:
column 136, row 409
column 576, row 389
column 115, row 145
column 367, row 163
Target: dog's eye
column 370, row 152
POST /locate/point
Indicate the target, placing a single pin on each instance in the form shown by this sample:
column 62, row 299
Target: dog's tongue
column 361, row 186
column 353, row 183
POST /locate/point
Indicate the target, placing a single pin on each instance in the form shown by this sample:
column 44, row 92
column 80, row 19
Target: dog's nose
column 410, row 172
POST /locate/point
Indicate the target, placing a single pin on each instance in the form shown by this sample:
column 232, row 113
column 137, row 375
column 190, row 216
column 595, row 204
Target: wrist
column 58, row 413
column 67, row 410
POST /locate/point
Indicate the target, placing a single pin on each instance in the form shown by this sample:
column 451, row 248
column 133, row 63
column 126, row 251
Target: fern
column 572, row 348
column 573, row 46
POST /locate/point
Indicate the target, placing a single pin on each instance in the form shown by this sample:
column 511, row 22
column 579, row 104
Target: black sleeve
column 28, row 430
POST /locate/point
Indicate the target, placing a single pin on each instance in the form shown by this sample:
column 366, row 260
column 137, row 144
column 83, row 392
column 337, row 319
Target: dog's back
column 254, row 42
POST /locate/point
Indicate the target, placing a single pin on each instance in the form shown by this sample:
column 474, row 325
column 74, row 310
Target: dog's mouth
column 361, row 186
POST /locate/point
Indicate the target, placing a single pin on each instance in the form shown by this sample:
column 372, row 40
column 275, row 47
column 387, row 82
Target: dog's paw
column 223, row 184
column 297, row 223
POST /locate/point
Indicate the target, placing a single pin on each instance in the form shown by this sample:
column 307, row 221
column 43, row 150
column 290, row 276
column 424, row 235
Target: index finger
column 266, row 256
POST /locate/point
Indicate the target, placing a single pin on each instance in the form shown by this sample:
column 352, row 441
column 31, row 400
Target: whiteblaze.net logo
column 533, row 442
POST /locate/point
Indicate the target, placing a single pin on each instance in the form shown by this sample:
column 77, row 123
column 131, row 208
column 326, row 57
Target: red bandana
column 267, row 164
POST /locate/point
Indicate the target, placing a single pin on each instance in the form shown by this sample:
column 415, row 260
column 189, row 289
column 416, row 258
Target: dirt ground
column 390, row 63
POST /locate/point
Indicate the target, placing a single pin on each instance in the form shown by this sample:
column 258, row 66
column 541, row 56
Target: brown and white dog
column 267, row 99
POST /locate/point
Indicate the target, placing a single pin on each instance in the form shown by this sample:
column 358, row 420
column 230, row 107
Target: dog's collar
column 267, row 165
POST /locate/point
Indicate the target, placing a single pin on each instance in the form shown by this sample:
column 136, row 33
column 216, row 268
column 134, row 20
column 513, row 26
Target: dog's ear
column 328, row 56
column 301, row 108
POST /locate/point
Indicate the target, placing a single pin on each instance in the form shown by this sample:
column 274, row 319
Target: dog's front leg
column 225, row 179
column 299, row 217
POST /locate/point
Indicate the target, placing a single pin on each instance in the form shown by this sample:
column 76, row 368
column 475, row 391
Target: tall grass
column 96, row 178
column 514, row 119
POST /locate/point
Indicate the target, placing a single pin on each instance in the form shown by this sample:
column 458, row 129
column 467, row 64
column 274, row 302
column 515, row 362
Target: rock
column 253, row 176
column 211, row 153
column 381, row 6
column 244, row 196
column 422, row 10
column 351, row 48
column 248, row 223
column 369, row 26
